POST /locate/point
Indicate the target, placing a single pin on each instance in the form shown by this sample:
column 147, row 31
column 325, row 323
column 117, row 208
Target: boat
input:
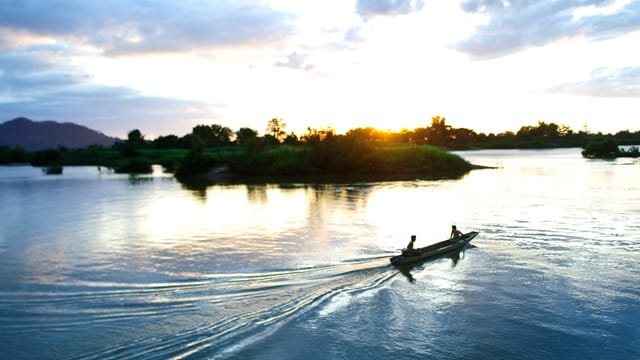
column 437, row 249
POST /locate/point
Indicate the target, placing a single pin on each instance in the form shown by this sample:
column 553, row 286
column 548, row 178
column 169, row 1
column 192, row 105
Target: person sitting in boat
column 410, row 248
column 456, row 235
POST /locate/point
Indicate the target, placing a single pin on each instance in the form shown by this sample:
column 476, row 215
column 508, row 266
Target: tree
column 131, row 147
column 542, row 130
column 245, row 135
column 601, row 148
column 292, row 139
column 195, row 162
column 439, row 132
column 167, row 142
column 221, row 135
column 213, row 135
column 364, row 135
column 315, row 136
column 276, row 128
column 15, row 155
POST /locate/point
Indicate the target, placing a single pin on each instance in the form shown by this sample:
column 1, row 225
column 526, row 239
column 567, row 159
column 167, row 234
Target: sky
column 165, row 66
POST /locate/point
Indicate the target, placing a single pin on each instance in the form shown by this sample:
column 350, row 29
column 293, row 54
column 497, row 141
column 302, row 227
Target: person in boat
column 456, row 235
column 410, row 246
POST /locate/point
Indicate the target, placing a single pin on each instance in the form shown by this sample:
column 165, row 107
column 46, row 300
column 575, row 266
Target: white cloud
column 36, row 83
column 296, row 61
column 606, row 82
column 368, row 9
column 516, row 25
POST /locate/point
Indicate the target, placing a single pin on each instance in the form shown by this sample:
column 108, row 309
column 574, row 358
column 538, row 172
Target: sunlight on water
column 300, row 270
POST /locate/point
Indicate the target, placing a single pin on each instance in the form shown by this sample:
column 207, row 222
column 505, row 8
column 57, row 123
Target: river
column 96, row 265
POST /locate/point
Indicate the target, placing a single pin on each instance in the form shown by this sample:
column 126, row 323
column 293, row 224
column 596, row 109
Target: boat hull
column 432, row 251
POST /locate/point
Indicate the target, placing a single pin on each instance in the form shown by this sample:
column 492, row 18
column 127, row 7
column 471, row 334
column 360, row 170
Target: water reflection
column 455, row 257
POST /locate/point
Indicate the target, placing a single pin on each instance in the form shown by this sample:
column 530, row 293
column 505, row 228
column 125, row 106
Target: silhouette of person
column 410, row 246
column 456, row 234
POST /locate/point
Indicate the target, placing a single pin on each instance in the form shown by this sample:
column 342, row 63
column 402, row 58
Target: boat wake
column 212, row 316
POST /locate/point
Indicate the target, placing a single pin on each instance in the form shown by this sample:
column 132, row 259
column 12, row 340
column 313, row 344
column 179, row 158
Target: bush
column 602, row 148
column 194, row 164
column 15, row 155
column 46, row 157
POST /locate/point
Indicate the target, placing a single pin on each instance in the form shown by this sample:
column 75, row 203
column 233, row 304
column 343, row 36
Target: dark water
column 97, row 265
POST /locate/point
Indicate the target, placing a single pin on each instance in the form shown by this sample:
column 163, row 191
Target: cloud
column 354, row 35
column 606, row 82
column 368, row 9
column 41, row 88
column 131, row 27
column 296, row 61
column 518, row 24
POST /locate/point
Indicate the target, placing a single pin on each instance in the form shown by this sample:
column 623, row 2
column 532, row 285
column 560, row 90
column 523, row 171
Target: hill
column 32, row 135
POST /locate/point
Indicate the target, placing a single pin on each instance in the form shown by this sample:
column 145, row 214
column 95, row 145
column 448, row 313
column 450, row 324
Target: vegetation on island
column 215, row 149
column 608, row 149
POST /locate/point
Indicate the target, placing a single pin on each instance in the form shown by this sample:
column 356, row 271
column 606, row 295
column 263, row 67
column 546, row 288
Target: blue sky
column 165, row 66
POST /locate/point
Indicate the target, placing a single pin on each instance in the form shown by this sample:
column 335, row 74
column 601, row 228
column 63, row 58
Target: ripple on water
column 203, row 314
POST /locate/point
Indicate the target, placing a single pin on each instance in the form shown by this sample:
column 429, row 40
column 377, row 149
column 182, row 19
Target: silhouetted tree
column 541, row 131
column 131, row 147
column 221, row 135
column 46, row 157
column 291, row 139
column 213, row 135
column 275, row 127
column 167, row 142
column 15, row 155
column 195, row 162
column 601, row 148
column 439, row 132
column 245, row 135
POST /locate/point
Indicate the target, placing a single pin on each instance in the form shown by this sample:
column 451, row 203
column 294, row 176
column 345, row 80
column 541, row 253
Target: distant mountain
column 32, row 135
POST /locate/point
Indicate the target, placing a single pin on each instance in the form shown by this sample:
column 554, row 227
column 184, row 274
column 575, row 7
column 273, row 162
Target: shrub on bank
column 607, row 149
column 46, row 157
column 12, row 155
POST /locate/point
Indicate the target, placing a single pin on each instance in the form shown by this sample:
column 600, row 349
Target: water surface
column 96, row 265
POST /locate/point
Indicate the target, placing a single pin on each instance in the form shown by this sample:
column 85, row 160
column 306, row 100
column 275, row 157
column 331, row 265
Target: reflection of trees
column 353, row 194
column 135, row 179
column 257, row 194
column 329, row 206
column 196, row 187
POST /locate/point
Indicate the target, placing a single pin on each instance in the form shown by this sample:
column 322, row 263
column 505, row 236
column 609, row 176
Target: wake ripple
column 212, row 316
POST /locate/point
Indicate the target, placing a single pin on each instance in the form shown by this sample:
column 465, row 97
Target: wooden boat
column 437, row 249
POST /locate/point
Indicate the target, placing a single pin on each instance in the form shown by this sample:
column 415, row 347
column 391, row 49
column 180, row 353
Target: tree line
column 438, row 133
column 316, row 150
